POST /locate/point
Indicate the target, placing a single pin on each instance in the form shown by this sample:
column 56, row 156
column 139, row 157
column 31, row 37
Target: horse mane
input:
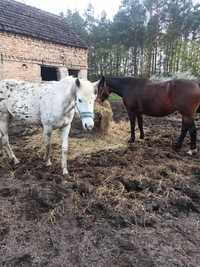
column 126, row 79
column 122, row 82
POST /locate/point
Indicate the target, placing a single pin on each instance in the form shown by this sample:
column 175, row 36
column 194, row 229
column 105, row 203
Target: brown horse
column 158, row 99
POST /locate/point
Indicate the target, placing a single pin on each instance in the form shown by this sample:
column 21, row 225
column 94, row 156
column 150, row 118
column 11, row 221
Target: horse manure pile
column 137, row 206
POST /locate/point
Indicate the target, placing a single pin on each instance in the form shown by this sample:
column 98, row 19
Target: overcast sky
column 56, row 6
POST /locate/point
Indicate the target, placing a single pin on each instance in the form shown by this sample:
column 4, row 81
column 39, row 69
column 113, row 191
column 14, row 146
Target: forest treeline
column 144, row 38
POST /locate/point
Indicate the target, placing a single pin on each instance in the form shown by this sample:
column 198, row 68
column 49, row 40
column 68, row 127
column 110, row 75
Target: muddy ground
column 122, row 207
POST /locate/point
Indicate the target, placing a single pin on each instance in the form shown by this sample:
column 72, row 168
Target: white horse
column 51, row 105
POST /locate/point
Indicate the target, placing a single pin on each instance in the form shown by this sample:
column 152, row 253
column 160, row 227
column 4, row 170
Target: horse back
column 21, row 99
column 163, row 98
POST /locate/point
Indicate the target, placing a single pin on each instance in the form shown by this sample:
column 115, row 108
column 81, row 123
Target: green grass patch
column 114, row 97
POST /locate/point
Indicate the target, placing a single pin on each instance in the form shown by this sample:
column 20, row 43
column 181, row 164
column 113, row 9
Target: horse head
column 86, row 94
column 103, row 90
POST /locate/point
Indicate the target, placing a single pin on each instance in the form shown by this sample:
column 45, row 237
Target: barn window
column 50, row 73
column 73, row 72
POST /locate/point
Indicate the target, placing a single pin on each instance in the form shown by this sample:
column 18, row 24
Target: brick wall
column 21, row 58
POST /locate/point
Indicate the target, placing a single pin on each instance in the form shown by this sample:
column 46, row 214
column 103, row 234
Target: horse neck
column 115, row 86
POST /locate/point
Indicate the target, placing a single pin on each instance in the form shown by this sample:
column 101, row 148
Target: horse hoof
column 192, row 152
column 14, row 162
column 48, row 163
column 131, row 141
column 66, row 173
column 142, row 137
column 67, row 178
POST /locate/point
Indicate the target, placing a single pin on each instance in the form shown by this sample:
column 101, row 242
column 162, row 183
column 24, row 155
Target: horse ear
column 102, row 81
column 96, row 84
column 78, row 84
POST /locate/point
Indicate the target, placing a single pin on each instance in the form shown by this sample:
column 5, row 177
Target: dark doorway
column 73, row 73
column 49, row 73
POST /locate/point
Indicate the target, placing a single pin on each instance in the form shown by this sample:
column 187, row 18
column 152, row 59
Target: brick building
column 37, row 46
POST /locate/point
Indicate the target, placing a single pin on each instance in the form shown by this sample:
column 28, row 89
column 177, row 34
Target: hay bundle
column 103, row 117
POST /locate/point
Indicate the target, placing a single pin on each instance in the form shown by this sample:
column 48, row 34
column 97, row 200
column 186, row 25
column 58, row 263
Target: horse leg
column 5, row 140
column 47, row 133
column 140, row 125
column 132, row 118
column 9, row 151
column 65, row 136
column 186, row 125
column 193, row 138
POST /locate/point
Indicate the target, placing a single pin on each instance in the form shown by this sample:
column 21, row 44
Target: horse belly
column 158, row 109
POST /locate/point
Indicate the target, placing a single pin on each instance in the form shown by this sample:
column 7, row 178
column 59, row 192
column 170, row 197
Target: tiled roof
column 29, row 21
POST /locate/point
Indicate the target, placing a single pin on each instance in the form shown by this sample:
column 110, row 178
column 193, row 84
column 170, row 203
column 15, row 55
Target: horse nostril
column 89, row 128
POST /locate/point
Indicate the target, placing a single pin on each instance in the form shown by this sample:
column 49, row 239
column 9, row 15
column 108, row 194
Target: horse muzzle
column 88, row 124
column 87, row 120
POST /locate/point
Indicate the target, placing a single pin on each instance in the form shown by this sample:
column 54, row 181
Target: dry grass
column 104, row 120
column 116, row 138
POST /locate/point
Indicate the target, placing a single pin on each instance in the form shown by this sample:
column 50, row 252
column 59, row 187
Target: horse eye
column 79, row 100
